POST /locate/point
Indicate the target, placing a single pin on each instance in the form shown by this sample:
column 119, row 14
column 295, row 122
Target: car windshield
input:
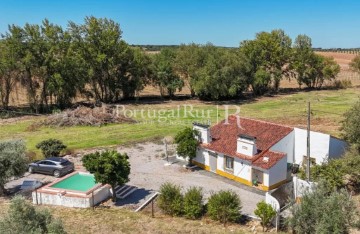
column 28, row 183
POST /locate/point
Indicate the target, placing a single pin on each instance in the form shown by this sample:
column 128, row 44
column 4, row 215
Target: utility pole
column 166, row 151
column 308, row 144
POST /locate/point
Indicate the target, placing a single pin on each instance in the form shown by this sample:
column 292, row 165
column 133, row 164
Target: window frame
column 226, row 158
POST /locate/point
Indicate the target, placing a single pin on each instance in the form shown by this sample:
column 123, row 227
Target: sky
column 330, row 23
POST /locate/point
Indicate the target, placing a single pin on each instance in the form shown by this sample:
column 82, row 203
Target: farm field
column 159, row 119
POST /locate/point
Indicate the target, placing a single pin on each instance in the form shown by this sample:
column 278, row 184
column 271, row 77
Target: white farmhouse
column 258, row 153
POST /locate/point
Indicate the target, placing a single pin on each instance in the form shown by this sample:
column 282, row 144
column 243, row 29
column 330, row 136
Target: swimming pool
column 77, row 182
column 77, row 189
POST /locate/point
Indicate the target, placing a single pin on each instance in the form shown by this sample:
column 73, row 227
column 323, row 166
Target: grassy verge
column 328, row 106
column 119, row 220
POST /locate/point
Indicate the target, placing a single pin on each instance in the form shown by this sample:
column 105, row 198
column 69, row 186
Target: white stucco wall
column 278, row 172
column 202, row 156
column 337, row 148
column 100, row 195
column 242, row 169
column 204, row 133
column 286, row 145
column 246, row 147
column 319, row 145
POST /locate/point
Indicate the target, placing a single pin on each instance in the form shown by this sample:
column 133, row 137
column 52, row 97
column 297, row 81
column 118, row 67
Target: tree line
column 91, row 59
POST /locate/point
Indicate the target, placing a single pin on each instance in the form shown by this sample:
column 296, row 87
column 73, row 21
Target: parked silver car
column 55, row 166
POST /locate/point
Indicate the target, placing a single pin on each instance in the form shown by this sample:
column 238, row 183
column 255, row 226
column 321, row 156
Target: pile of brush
column 85, row 116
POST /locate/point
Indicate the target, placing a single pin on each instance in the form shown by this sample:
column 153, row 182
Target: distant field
column 328, row 107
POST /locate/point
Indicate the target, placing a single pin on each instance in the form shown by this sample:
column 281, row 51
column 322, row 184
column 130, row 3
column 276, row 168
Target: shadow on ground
column 135, row 199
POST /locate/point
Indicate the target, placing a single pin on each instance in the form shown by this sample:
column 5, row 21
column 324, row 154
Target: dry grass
column 118, row 220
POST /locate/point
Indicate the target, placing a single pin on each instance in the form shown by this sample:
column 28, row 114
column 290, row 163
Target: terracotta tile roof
column 268, row 159
column 224, row 136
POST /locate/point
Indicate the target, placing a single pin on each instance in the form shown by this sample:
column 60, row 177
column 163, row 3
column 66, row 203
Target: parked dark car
column 53, row 166
column 30, row 185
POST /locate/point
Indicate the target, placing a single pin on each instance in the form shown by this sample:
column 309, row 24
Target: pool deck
column 48, row 189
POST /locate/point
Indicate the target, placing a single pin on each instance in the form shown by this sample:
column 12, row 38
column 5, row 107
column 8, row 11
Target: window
column 229, row 163
column 244, row 147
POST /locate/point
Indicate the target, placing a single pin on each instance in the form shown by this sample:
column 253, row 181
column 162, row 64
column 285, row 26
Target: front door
column 213, row 162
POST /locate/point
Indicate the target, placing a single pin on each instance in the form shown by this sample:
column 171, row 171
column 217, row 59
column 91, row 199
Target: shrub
column 193, row 203
column 224, row 206
column 23, row 217
column 51, row 147
column 13, row 161
column 265, row 212
column 351, row 126
column 342, row 84
column 323, row 211
column 170, row 200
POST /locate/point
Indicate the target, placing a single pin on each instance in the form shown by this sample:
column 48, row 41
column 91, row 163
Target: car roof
column 56, row 159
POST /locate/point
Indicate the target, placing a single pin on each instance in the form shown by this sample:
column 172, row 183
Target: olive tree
column 323, row 211
column 22, row 218
column 13, row 161
column 108, row 167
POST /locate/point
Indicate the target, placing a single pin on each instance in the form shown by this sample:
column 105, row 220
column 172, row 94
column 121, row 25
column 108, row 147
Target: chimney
column 204, row 131
column 246, row 145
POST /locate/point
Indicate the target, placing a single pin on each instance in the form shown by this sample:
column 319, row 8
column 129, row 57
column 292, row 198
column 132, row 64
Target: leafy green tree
column 189, row 60
column 351, row 125
column 187, row 143
column 223, row 74
column 265, row 212
column 24, row 218
column 302, row 58
column 165, row 76
column 136, row 74
column 332, row 173
column 355, row 64
column 224, row 206
column 114, row 69
column 108, row 167
column 10, row 67
column 13, row 161
column 51, row 147
column 170, row 200
column 271, row 53
column 193, row 203
column 323, row 211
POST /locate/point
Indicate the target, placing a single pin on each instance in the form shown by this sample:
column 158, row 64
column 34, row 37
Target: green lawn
column 327, row 109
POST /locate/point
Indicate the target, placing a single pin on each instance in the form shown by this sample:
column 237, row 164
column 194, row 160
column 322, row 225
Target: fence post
column 152, row 208
column 277, row 219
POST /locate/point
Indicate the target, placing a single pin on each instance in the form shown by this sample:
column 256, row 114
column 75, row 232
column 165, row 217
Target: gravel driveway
column 148, row 172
